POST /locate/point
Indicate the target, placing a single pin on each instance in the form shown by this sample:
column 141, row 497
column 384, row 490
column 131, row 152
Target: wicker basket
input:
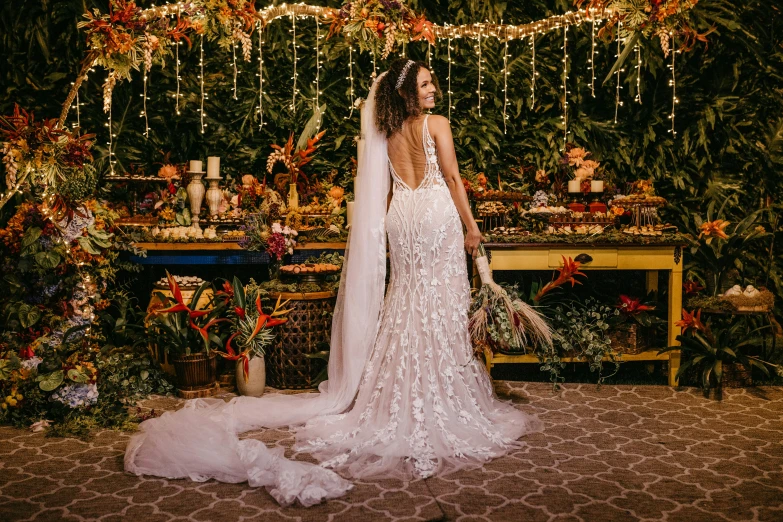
column 735, row 375
column 308, row 328
column 629, row 339
column 196, row 371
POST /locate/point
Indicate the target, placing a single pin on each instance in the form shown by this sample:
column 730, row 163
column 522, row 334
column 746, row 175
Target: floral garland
column 379, row 25
column 40, row 154
column 129, row 36
column 662, row 19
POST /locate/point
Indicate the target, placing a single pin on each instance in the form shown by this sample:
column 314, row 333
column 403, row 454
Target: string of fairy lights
column 565, row 87
column 505, row 82
column 260, row 77
column 477, row 31
column 673, row 84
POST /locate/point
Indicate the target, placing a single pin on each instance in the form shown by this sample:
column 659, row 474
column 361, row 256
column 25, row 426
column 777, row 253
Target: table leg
column 488, row 359
column 675, row 313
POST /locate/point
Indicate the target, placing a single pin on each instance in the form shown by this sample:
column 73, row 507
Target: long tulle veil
column 200, row 441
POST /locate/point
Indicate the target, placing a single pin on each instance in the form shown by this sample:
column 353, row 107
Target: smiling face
column 426, row 89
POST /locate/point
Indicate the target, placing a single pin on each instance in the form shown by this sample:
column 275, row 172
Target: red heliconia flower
column 692, row 287
column 567, row 274
column 632, row 305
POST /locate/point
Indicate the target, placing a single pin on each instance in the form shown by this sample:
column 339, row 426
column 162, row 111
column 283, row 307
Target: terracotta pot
column 256, row 378
column 196, row 371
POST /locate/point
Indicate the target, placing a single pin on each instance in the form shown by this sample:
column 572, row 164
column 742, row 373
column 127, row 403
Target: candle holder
column 214, row 195
column 195, row 192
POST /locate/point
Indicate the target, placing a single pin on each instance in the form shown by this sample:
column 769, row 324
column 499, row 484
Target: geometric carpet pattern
column 616, row 453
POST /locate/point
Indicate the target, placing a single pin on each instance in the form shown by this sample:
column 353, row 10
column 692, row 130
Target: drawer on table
column 598, row 257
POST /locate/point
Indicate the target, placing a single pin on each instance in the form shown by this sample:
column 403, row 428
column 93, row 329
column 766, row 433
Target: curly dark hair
column 392, row 107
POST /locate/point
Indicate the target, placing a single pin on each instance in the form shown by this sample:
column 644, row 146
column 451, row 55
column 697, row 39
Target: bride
column 405, row 397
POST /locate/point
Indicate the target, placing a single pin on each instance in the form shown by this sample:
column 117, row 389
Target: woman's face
column 426, row 89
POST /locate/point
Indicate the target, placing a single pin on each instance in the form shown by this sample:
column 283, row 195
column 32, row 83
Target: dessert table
column 215, row 252
column 650, row 258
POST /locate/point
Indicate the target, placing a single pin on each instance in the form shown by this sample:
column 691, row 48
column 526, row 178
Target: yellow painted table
column 649, row 258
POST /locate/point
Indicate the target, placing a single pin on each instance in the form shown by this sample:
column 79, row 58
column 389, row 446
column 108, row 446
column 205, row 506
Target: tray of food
column 501, row 195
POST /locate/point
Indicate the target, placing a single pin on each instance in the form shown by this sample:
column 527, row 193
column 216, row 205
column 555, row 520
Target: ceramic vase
column 293, row 196
column 256, row 378
column 195, row 192
column 214, row 196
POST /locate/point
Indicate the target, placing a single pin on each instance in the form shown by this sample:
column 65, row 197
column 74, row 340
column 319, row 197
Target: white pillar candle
column 348, row 213
column 574, row 185
column 195, row 166
column 213, row 166
column 596, row 185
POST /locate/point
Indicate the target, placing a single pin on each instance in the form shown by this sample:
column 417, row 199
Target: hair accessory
column 403, row 73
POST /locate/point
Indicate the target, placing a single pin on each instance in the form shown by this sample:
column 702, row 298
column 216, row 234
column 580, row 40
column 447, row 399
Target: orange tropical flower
column 715, row 228
column 566, row 274
column 691, row 321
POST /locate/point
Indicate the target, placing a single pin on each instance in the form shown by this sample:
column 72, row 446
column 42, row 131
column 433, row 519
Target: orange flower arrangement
column 715, row 228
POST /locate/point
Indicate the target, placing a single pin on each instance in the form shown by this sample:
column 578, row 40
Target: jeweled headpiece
column 404, row 72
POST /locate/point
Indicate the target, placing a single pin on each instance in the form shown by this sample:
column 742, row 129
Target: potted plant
column 632, row 324
column 185, row 333
column 251, row 332
column 716, row 359
column 720, row 251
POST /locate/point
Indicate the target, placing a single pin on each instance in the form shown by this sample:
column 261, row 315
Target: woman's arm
column 440, row 130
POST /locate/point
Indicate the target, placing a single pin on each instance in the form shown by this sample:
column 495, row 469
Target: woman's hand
column 472, row 241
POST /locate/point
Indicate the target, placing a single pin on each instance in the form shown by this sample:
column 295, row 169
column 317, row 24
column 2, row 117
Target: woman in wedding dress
column 405, row 396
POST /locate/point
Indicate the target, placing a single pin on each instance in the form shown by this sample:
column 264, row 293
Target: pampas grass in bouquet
column 500, row 318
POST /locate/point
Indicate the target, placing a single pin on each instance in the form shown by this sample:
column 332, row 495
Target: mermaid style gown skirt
column 425, row 404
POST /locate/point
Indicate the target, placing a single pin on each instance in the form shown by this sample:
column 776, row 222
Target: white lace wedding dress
column 405, row 397
column 425, row 404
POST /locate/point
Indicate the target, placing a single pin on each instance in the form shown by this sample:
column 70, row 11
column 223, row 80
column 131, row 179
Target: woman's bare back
column 406, row 151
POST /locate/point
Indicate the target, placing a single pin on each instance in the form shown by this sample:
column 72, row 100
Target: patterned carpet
column 611, row 454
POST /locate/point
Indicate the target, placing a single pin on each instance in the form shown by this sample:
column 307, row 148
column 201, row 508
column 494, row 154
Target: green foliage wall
column 729, row 119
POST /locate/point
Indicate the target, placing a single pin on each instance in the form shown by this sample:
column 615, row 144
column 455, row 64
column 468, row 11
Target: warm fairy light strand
column 478, row 90
column 505, row 83
column 317, row 73
column 565, row 86
column 429, row 54
column 449, row 78
column 617, row 101
column 296, row 75
column 176, row 60
column 638, row 98
column 350, row 78
column 592, row 56
column 144, row 109
column 673, row 83
column 176, row 51
column 260, row 78
column 234, row 64
column 201, row 77
column 533, row 77
column 374, row 71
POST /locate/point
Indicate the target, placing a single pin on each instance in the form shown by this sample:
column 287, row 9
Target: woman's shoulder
column 438, row 124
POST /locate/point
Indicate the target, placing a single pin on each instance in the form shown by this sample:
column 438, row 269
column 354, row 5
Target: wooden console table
column 649, row 258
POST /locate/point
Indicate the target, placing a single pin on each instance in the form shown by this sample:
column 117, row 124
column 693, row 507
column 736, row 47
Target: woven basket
column 629, row 339
column 308, row 328
column 196, row 371
column 735, row 375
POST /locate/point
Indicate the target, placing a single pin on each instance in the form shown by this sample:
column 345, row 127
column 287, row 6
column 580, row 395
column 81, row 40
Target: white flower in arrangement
column 276, row 228
column 31, row 363
column 41, row 425
column 75, row 395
